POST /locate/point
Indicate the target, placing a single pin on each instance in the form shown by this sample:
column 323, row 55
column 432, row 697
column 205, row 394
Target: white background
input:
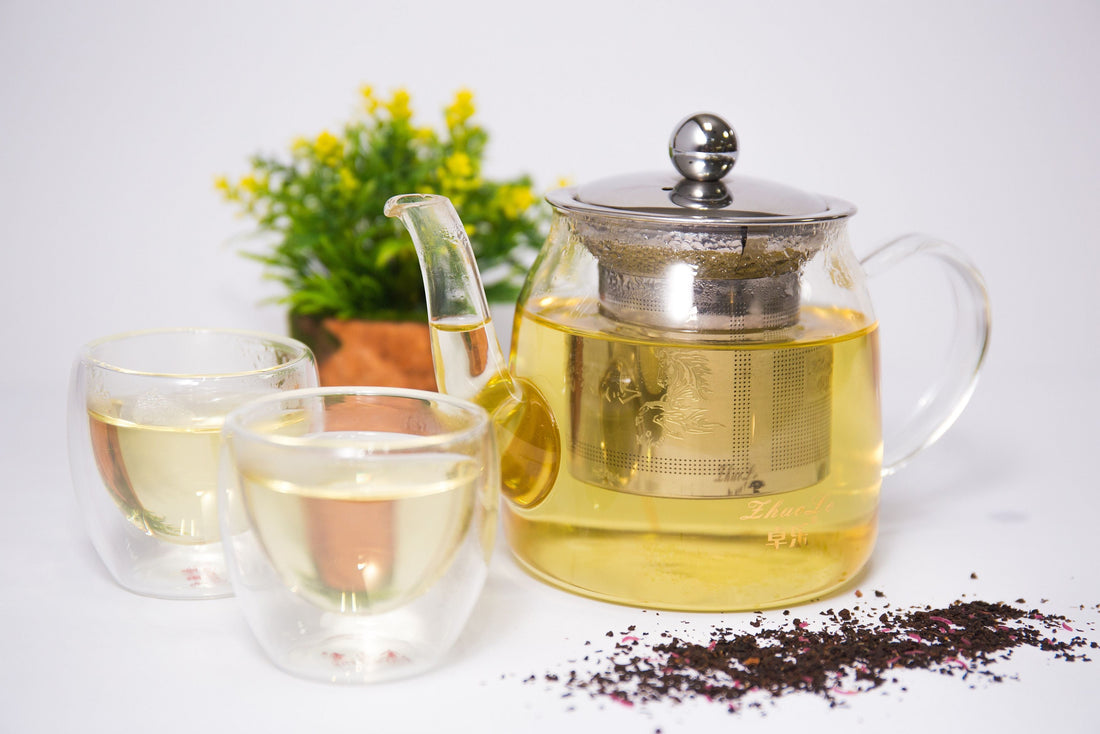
column 975, row 121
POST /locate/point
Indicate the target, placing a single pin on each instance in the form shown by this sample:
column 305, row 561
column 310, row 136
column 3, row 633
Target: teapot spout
column 464, row 343
column 468, row 359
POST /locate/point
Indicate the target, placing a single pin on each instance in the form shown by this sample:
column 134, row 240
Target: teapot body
column 708, row 460
column 690, row 414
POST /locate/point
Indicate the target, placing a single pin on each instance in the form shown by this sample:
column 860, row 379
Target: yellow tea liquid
column 701, row 474
column 164, row 479
column 366, row 536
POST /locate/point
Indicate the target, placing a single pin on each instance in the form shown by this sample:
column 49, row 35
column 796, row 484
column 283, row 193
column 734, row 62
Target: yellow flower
column 347, row 183
column 300, row 146
column 459, row 165
column 514, row 200
column 228, row 191
column 398, row 105
column 461, row 109
column 457, row 175
column 250, row 184
column 369, row 100
column 329, row 148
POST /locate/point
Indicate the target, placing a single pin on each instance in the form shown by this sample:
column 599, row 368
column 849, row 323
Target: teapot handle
column 943, row 401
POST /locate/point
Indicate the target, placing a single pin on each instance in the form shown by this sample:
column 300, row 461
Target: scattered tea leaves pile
column 847, row 652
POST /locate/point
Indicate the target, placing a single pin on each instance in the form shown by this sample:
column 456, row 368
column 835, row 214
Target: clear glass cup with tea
column 359, row 524
column 145, row 416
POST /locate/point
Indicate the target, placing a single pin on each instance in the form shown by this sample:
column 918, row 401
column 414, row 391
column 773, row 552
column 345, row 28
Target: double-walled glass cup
column 358, row 524
column 145, row 417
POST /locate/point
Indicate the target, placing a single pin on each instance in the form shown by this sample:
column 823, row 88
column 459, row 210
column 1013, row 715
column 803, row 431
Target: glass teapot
column 691, row 418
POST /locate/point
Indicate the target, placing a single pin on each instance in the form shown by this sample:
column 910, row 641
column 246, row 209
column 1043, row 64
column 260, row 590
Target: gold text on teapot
column 772, row 509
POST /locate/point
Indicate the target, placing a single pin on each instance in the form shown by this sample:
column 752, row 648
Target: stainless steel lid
column 704, row 149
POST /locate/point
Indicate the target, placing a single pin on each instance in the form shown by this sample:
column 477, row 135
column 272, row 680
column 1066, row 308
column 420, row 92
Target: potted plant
column 352, row 280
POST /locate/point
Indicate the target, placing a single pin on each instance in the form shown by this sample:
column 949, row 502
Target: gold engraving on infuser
column 674, row 422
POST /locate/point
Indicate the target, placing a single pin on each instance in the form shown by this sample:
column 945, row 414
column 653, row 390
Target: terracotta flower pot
column 361, row 352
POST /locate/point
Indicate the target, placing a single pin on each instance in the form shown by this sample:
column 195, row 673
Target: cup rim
column 234, row 422
column 299, row 352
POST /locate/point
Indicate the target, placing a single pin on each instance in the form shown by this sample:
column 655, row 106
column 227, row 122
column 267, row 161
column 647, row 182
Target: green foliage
column 337, row 254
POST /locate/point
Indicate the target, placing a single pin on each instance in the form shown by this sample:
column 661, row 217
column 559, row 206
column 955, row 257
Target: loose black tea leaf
column 849, row 652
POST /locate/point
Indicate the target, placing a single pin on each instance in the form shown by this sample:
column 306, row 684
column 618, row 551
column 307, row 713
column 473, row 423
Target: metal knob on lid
column 703, row 147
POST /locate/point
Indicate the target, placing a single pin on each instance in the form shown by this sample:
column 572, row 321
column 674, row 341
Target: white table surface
column 1009, row 495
